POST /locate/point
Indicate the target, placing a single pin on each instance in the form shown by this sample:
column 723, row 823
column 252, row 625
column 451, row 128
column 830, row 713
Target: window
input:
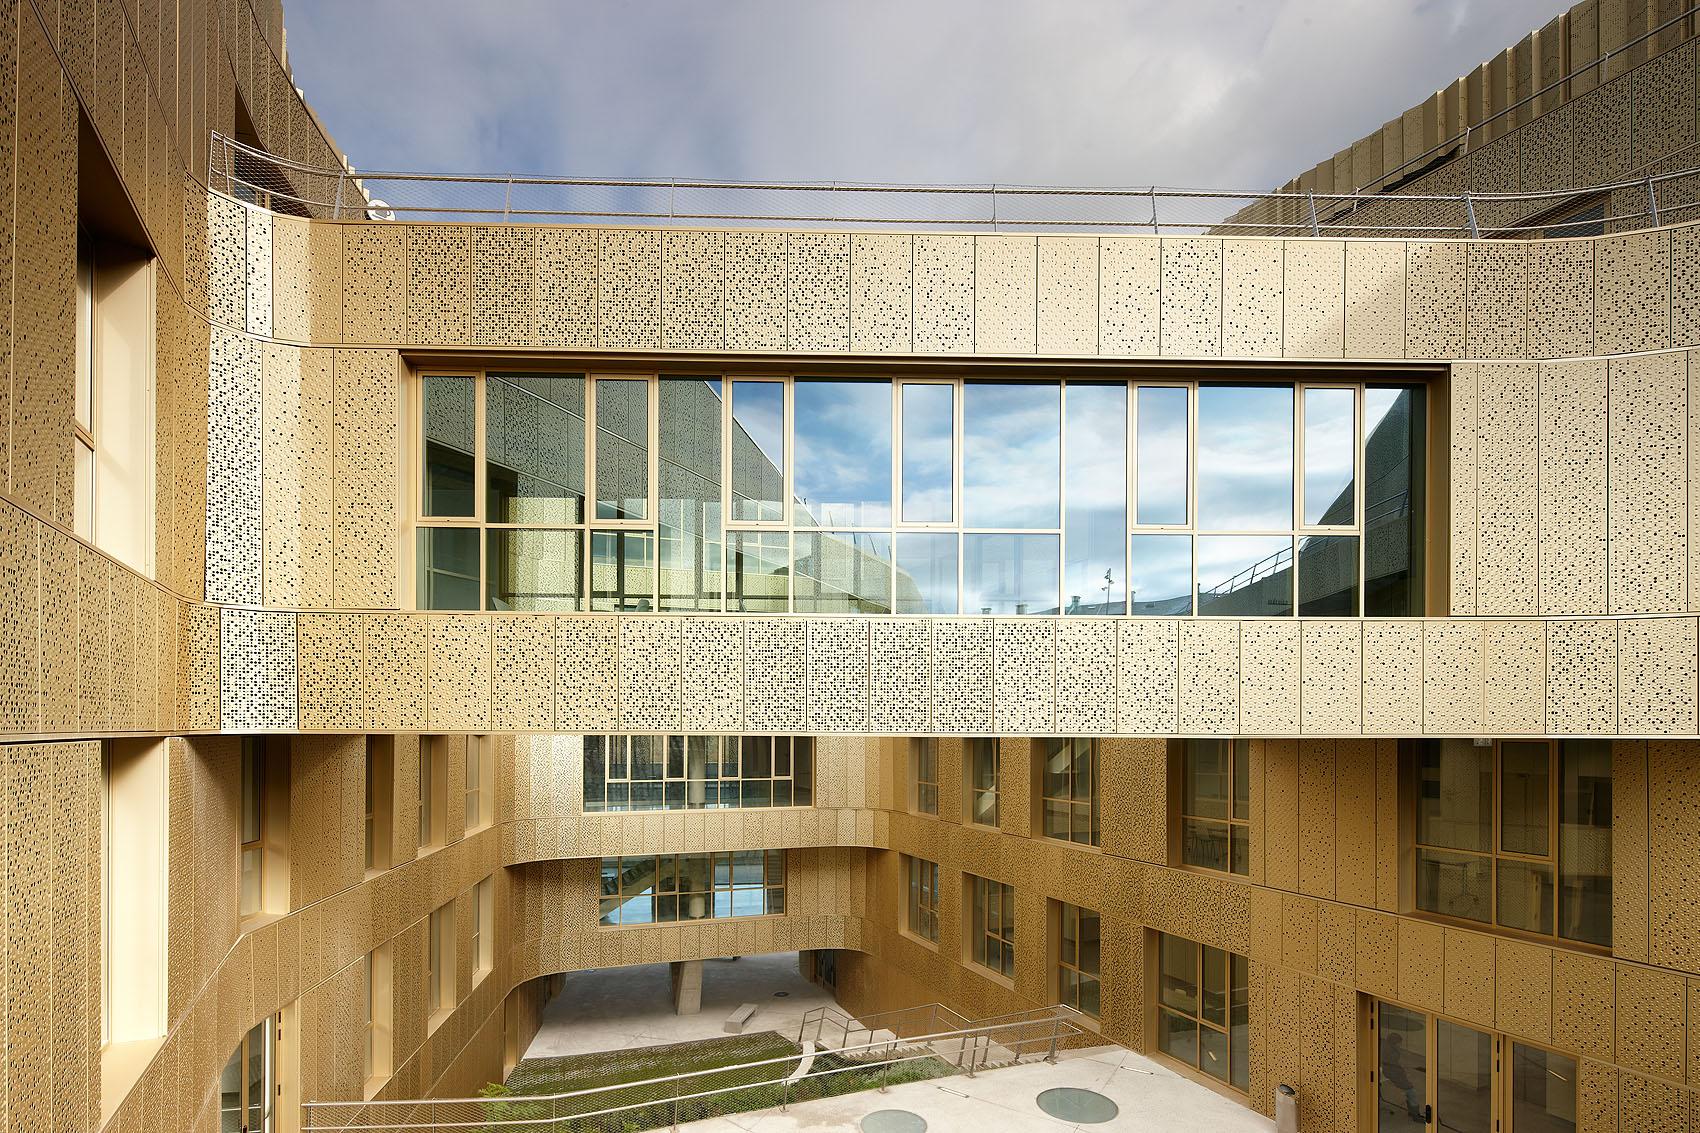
column 380, row 800
column 1068, row 777
column 924, row 775
column 377, row 1023
column 983, row 782
column 250, row 886
column 993, row 938
column 480, row 788
column 1216, row 805
column 1203, row 1016
column 248, row 1082
column 483, row 921
column 433, row 791
column 440, row 964
column 691, row 887
column 133, row 891
column 923, row 898
column 1077, row 957
column 1434, row 1073
column 1517, row 834
column 624, row 773
column 661, row 492
column 263, row 885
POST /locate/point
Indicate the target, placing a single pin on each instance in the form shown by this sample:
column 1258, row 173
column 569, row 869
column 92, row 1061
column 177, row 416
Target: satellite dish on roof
column 379, row 210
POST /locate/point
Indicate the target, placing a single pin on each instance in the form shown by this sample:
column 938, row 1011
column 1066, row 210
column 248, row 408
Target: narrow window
column 994, row 926
column 1077, row 957
column 983, row 782
column 923, row 898
column 134, row 890
column 1203, row 1009
column 251, row 888
column 479, row 788
column 483, row 921
column 248, row 1082
column 380, row 798
column 433, row 791
column 1068, row 794
column 440, row 964
column 1216, row 805
column 924, row 775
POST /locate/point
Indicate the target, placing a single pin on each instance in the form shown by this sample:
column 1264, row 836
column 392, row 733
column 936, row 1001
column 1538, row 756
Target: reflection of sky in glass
column 1011, row 450
column 1330, row 455
column 926, row 572
column 843, row 453
column 1245, row 458
column 758, row 451
column 1229, row 564
column 1095, row 478
column 928, row 452
column 1009, row 574
column 759, row 408
column 1161, row 574
column 1162, row 455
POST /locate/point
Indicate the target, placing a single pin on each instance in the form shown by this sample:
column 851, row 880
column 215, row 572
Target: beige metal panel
column 1469, row 976
column 962, row 675
column 1514, row 678
column 1068, row 295
column 1645, row 793
column 203, row 665
column 1087, row 670
column 1130, row 295
column 586, row 674
column 1393, row 677
column 693, row 290
column 567, row 285
column 1006, row 273
column 1647, row 1103
column 713, row 681
column 1581, row 678
column 281, row 486
column 1507, row 462
column 1657, row 676
column 1452, row 675
column 364, row 451
column 628, row 288
column 1147, row 676
column 1548, row 152
column 1316, row 830
column 651, row 668
column 755, row 290
column 227, row 262
column 1634, row 280
column 395, row 655
column 291, row 278
column 257, row 671
column 459, row 668
column 1573, row 491
column 944, row 293
column 1251, row 298
column 522, row 674
column 1352, row 841
column 775, row 669
column 1421, row 958
column 1661, row 106
column 1584, row 1004
column 1600, row 121
column 1434, row 300
column 330, row 651
column 258, row 268
column 1523, row 981
column 1269, row 677
column 1652, row 1012
column 1685, row 286
column 1561, row 298
column 1024, row 687
column 1316, row 298
column 374, row 283
column 1192, row 297
column 324, row 282
column 1375, row 298
column 1498, row 308
column 881, row 292
column 838, row 675
column 20, row 630
column 900, row 656
column 1596, row 1094
column 504, row 285
column 818, row 291
column 1464, row 439
column 1209, row 677
column 1648, row 511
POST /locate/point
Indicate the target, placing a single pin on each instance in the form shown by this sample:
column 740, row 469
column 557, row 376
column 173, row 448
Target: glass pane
column 1245, row 458
column 1328, row 576
column 1525, row 897
column 448, row 569
column 758, row 451
column 534, row 448
column 451, row 441
column 1393, row 502
column 1455, row 884
column 843, row 572
column 1178, row 1037
column 622, row 448
column 1463, row 1086
column 1162, row 454
column 842, row 462
column 1213, row 1006
column 1207, row 781
column 1239, row 849
column 1455, row 795
column 248, row 896
column 688, row 483
column 1213, row 1052
column 1245, row 575
column 1239, row 1022
column 1011, row 455
column 929, row 452
column 926, row 573
column 1242, row 779
column 1584, row 841
column 1009, row 574
column 758, row 569
column 1205, row 843
column 1525, row 794
column 1543, row 1091
column 1095, row 479
column 1330, row 457
column 1177, row 975
column 532, row 570
column 1402, row 1082
column 622, row 570
column 1160, row 572
column 1089, row 930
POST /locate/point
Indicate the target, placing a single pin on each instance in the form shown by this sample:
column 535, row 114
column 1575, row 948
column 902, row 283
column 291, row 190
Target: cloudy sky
column 1213, row 93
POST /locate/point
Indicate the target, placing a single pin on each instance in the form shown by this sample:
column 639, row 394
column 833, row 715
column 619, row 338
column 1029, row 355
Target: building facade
column 1283, row 648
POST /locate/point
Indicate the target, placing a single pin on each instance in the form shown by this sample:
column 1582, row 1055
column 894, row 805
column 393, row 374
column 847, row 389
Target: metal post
column 336, row 209
column 1470, row 216
column 1652, row 203
column 672, row 188
column 508, row 204
column 884, row 1066
column 973, row 1053
column 994, row 229
column 1154, row 229
column 1311, row 197
column 675, row 1107
column 784, row 1094
column 1051, row 1055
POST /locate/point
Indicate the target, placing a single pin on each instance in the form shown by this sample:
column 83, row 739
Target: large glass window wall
column 625, row 773
column 678, row 493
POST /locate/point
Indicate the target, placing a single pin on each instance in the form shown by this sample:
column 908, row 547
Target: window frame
column 1061, row 914
column 433, row 793
column 773, row 863
column 992, row 921
column 483, row 925
column 974, row 749
column 1043, row 799
column 1239, row 753
column 924, row 759
column 608, row 771
column 252, row 797
column 441, row 994
column 1161, row 1010
column 922, row 899
column 478, row 793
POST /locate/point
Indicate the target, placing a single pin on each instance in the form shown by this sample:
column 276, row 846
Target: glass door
column 1432, row 1073
column 1401, row 1077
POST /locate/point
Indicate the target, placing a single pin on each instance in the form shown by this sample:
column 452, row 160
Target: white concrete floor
column 621, row 1008
column 1152, row 1099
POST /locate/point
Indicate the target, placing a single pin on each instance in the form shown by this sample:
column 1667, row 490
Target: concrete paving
column 1152, row 1099
column 621, row 1008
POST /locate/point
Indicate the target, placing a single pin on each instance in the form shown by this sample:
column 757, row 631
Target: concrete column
column 686, row 977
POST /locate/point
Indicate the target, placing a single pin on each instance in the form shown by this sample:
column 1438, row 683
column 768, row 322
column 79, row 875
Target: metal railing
column 249, row 174
column 828, row 1026
column 680, row 1098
